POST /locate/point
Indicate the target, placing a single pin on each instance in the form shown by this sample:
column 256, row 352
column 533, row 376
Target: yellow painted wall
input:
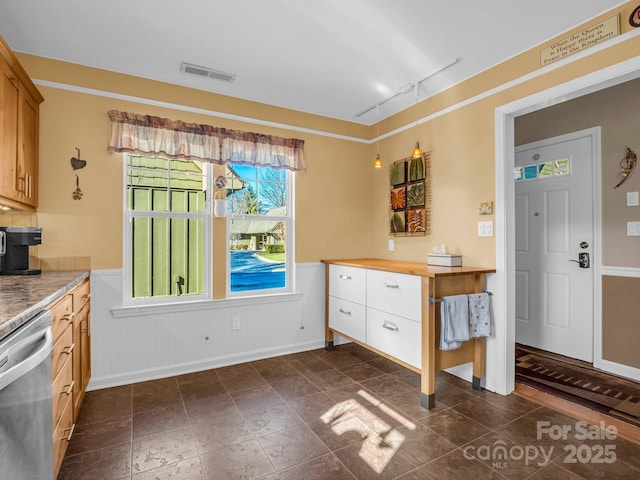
column 462, row 146
column 341, row 202
column 331, row 197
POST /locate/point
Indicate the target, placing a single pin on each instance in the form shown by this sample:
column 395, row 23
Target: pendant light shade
column 417, row 153
column 377, row 163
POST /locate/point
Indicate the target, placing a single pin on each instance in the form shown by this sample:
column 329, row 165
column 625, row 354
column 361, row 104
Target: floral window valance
column 148, row 135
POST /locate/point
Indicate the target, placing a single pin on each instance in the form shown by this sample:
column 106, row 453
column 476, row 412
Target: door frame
column 504, row 300
column 594, row 135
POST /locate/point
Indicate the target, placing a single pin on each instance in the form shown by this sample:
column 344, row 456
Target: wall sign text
column 578, row 41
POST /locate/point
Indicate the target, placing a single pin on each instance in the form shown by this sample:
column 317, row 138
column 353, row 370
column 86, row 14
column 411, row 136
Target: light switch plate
column 485, row 229
column 633, row 229
column 633, row 199
column 392, row 245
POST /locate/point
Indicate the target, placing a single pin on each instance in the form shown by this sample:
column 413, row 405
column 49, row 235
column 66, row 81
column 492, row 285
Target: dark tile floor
column 346, row 414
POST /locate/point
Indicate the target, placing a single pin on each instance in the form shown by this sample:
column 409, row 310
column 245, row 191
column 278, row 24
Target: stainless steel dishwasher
column 26, row 430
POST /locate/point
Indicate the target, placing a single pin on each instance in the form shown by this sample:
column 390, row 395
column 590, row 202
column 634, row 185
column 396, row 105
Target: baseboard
column 621, row 370
column 107, row 381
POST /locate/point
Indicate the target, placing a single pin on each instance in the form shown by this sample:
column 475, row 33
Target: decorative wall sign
column 410, row 197
column 634, row 19
column 588, row 37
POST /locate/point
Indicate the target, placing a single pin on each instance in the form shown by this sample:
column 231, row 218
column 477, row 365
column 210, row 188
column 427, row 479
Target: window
column 167, row 230
column 260, row 230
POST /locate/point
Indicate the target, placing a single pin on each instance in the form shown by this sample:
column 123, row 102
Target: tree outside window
column 259, row 224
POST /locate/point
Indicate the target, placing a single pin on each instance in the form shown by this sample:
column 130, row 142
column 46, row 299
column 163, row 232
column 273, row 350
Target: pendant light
column 377, row 163
column 417, row 153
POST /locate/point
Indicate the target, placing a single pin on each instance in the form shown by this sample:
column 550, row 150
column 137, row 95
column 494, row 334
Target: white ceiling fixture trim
column 408, row 88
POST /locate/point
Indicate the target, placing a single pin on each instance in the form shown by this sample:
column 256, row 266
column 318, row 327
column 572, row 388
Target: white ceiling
column 328, row 57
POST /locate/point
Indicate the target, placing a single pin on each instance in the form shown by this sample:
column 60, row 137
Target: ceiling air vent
column 207, row 72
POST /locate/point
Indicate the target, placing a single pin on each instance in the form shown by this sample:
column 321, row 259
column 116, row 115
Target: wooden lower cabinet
column 82, row 357
column 70, row 364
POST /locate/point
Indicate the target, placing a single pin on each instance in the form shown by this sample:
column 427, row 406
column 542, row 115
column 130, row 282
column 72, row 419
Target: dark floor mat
column 579, row 383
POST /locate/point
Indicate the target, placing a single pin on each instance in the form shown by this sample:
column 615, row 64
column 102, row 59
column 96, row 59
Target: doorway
column 554, row 238
column 505, row 283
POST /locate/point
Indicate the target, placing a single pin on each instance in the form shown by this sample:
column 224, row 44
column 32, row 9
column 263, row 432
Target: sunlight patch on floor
column 380, row 441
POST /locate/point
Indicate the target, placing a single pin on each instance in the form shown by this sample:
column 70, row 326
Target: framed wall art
column 410, row 197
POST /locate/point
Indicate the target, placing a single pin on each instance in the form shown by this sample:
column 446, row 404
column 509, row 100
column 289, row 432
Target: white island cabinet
column 390, row 308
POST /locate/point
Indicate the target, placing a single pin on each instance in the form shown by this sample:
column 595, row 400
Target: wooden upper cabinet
column 9, row 93
column 19, row 122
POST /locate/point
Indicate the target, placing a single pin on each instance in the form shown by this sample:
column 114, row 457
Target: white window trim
column 127, row 216
column 289, row 247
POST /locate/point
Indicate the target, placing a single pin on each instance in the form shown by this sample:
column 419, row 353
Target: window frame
column 127, row 243
column 289, row 221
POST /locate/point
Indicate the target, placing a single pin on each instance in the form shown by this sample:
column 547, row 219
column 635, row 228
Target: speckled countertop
column 21, row 297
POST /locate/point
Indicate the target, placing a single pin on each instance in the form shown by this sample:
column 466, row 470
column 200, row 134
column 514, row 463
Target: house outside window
column 259, row 230
column 167, row 230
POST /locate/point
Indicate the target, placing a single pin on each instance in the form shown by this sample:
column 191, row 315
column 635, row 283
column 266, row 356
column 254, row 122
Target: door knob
column 583, row 260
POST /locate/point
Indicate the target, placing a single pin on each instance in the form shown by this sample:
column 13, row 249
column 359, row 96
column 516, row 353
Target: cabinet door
column 9, row 94
column 27, row 159
column 85, row 349
column 81, row 357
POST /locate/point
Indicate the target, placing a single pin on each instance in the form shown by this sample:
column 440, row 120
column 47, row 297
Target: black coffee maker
column 14, row 249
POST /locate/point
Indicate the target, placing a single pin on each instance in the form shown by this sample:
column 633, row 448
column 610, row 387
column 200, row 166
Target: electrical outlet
column 633, row 229
column 235, row 323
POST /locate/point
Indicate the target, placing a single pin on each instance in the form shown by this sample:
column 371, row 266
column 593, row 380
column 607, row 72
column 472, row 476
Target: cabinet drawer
column 395, row 336
column 348, row 318
column 395, row 292
column 61, row 351
column 81, row 295
column 62, row 436
column 61, row 315
column 348, row 283
column 62, row 389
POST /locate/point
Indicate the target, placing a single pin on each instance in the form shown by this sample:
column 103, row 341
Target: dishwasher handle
column 29, row 363
column 3, row 243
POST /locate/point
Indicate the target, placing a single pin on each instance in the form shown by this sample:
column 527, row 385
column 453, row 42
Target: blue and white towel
column 454, row 318
column 479, row 315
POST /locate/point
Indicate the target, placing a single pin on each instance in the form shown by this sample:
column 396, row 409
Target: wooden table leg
column 429, row 345
column 479, row 363
column 328, row 334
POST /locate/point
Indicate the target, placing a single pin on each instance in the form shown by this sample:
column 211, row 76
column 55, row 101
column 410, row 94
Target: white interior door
column 554, row 227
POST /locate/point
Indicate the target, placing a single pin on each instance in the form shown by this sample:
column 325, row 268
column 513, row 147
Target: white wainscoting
column 133, row 348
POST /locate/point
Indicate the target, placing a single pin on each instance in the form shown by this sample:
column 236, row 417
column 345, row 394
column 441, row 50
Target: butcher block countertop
column 23, row 296
column 410, row 268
